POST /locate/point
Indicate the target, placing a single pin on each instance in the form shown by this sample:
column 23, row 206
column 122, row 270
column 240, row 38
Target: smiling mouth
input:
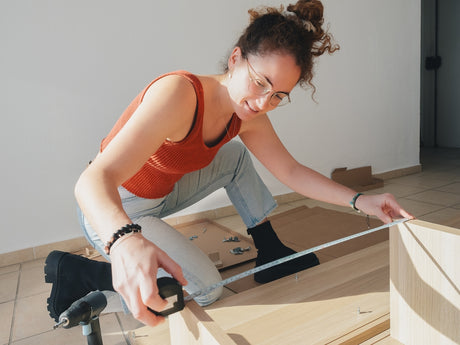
column 250, row 108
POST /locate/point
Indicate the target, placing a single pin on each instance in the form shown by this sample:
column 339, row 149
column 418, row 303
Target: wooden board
column 210, row 236
column 321, row 306
column 425, row 284
column 347, row 300
column 200, row 328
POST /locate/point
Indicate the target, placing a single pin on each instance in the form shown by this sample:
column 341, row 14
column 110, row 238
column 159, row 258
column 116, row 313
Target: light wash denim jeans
column 231, row 169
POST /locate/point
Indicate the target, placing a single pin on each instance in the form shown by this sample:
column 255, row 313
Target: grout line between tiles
column 13, row 316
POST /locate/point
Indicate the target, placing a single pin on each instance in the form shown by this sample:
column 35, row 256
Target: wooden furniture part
column 425, row 284
column 345, row 300
column 323, row 305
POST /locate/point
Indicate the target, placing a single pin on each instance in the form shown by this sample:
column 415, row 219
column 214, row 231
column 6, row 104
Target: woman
column 171, row 148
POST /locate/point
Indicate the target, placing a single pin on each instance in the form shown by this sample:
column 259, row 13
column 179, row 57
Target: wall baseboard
column 76, row 244
column 399, row 172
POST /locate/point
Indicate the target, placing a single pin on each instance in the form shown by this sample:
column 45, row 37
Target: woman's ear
column 234, row 57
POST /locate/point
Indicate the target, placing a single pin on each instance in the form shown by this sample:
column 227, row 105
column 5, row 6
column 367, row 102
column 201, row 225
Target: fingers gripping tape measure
column 171, row 290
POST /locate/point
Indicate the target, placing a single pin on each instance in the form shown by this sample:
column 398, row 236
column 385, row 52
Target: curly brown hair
column 298, row 31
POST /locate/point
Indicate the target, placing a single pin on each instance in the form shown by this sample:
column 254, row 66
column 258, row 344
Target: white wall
column 68, row 69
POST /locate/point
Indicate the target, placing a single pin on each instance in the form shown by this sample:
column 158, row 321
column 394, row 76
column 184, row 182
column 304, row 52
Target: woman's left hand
column 384, row 206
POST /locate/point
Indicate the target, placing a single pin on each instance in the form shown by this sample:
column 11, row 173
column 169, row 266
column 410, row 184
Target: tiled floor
column 432, row 195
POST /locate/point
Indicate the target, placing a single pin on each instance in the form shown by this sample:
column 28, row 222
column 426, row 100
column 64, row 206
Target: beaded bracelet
column 127, row 229
column 353, row 202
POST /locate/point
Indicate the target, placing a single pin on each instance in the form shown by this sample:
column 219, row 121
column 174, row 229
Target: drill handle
column 85, row 309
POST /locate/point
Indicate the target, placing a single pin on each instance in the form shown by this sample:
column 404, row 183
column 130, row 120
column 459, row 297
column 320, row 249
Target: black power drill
column 85, row 312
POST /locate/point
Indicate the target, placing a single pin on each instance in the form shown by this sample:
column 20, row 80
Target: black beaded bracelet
column 127, row 229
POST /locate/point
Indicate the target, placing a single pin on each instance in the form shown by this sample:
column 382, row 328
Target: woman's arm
column 134, row 259
column 261, row 139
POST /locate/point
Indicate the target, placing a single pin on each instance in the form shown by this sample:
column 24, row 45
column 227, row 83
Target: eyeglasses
column 260, row 86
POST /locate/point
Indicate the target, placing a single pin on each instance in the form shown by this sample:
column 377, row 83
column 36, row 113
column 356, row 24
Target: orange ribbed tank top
column 172, row 160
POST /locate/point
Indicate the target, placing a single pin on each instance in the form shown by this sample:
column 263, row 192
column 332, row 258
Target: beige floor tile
column 111, row 335
column 418, row 208
column 6, row 316
column 442, row 216
column 72, row 336
column 436, row 197
column 442, row 174
column 9, row 286
column 31, row 317
column 417, row 180
column 32, row 279
column 451, row 188
column 398, row 190
column 9, row 269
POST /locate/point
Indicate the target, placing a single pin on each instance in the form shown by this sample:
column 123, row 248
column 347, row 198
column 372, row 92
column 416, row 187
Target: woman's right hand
column 135, row 262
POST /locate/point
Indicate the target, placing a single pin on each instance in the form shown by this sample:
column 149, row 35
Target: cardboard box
column 360, row 179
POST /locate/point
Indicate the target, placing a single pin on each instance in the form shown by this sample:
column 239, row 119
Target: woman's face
column 259, row 84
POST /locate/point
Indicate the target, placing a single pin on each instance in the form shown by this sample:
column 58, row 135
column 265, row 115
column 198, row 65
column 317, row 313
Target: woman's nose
column 263, row 101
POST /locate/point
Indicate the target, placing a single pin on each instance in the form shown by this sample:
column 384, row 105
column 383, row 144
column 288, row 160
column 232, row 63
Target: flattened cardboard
column 360, row 179
column 209, row 238
column 303, row 228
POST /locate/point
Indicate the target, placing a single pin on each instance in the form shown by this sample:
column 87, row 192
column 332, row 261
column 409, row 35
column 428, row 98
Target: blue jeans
column 231, row 169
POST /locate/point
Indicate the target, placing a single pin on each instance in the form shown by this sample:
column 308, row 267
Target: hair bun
column 309, row 11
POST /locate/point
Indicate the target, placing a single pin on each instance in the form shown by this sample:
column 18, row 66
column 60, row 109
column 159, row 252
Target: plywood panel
column 321, row 305
column 193, row 326
column 425, row 284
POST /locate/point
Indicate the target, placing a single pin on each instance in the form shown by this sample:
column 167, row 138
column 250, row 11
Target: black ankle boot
column 73, row 277
column 270, row 248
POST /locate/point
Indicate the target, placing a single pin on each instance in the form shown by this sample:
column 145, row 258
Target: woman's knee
column 196, row 266
column 210, row 297
column 237, row 155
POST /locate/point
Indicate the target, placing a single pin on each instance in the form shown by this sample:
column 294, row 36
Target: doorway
column 440, row 74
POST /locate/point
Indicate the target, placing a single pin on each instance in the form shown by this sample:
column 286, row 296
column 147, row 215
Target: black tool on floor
column 85, row 312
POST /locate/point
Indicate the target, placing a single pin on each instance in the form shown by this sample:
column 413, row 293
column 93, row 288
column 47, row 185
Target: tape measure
column 179, row 300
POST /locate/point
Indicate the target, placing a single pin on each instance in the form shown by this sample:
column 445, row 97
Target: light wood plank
column 273, row 296
column 373, row 329
column 194, row 326
column 425, row 284
column 320, row 306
